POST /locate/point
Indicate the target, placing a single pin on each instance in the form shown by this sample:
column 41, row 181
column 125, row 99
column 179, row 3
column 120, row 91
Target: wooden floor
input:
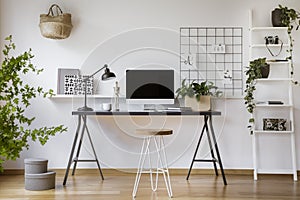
column 86, row 185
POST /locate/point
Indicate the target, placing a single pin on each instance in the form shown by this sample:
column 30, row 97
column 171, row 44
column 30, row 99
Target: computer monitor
column 149, row 86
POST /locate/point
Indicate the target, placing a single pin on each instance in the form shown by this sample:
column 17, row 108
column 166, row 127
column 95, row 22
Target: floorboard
column 86, row 185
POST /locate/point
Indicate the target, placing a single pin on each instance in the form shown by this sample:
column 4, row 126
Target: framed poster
column 273, row 124
column 61, row 73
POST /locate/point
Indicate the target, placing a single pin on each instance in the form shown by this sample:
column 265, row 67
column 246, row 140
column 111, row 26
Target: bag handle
column 58, row 10
column 272, row 54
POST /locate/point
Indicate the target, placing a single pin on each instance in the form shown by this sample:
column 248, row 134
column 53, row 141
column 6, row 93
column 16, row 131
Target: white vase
column 202, row 105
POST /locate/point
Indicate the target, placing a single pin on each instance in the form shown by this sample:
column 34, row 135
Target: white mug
column 106, row 106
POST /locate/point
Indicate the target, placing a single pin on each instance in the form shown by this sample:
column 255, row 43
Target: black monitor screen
column 149, row 84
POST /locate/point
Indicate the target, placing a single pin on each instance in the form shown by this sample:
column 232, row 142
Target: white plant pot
column 203, row 105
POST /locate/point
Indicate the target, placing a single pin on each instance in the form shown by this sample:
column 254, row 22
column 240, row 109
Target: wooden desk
column 207, row 127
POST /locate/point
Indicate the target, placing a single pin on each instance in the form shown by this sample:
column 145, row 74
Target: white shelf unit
column 274, row 79
column 266, row 27
column 274, row 106
column 64, row 96
column 270, row 45
column 273, row 132
column 275, row 83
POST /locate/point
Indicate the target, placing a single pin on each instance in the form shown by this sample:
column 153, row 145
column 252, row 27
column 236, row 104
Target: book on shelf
column 275, row 102
column 271, row 102
column 278, row 60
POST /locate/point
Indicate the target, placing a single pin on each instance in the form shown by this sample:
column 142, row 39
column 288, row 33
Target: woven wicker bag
column 55, row 26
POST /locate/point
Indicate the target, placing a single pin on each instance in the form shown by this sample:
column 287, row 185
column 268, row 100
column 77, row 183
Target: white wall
column 117, row 32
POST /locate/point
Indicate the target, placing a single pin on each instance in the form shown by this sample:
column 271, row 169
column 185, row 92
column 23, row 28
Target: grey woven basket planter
column 35, row 165
column 43, row 181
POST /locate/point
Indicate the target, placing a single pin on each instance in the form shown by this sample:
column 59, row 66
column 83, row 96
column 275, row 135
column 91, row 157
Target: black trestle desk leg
column 217, row 150
column 96, row 158
column 211, row 147
column 196, row 151
column 75, row 160
column 72, row 151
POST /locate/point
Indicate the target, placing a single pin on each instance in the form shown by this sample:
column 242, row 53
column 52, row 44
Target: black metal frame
column 76, row 159
column 215, row 148
column 196, row 41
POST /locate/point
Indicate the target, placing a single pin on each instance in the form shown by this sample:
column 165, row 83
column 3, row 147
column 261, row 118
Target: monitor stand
column 154, row 107
column 135, row 107
column 149, row 107
column 144, row 107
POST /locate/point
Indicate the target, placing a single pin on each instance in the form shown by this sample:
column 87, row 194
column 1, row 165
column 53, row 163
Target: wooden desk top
column 146, row 112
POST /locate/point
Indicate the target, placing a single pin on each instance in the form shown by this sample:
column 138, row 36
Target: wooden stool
column 162, row 165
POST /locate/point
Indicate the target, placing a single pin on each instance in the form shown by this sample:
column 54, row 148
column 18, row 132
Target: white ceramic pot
column 203, row 105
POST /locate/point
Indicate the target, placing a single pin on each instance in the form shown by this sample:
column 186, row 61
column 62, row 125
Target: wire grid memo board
column 213, row 54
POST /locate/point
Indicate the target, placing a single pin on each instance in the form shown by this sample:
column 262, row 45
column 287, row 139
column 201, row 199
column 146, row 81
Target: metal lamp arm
column 105, row 66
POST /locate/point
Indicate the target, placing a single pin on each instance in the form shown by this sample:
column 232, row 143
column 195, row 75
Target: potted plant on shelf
column 198, row 95
column 258, row 68
column 283, row 16
column 15, row 97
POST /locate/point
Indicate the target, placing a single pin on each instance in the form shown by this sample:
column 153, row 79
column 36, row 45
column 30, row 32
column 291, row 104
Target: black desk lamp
column 106, row 76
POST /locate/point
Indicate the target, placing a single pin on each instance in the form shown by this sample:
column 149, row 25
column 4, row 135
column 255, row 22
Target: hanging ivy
column 290, row 18
column 253, row 73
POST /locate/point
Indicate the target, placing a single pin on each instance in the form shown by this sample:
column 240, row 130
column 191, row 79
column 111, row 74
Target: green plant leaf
column 253, row 73
column 290, row 18
column 195, row 89
column 15, row 126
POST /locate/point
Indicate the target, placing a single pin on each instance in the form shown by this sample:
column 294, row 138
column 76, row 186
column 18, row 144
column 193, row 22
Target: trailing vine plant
column 290, row 19
column 253, row 73
column 15, row 97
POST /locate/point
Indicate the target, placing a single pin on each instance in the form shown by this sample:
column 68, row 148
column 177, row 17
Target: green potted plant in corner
column 198, row 95
column 283, row 16
column 15, row 98
column 255, row 71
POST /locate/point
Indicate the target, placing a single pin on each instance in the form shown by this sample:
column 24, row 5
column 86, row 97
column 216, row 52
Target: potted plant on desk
column 198, row 95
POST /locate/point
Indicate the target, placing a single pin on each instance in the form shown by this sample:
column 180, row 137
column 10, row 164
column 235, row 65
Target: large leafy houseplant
column 15, row 97
column 253, row 73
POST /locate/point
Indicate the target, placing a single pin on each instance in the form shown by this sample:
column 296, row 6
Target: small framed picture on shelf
column 274, row 124
column 74, row 85
column 61, row 73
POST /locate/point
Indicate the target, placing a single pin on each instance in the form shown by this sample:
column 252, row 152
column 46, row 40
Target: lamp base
column 85, row 108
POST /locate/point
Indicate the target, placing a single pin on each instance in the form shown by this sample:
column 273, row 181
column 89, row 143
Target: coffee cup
column 106, row 106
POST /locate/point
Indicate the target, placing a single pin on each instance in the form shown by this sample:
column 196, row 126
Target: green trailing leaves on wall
column 253, row 73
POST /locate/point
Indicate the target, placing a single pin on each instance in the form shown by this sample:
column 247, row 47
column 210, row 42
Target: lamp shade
column 108, row 75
